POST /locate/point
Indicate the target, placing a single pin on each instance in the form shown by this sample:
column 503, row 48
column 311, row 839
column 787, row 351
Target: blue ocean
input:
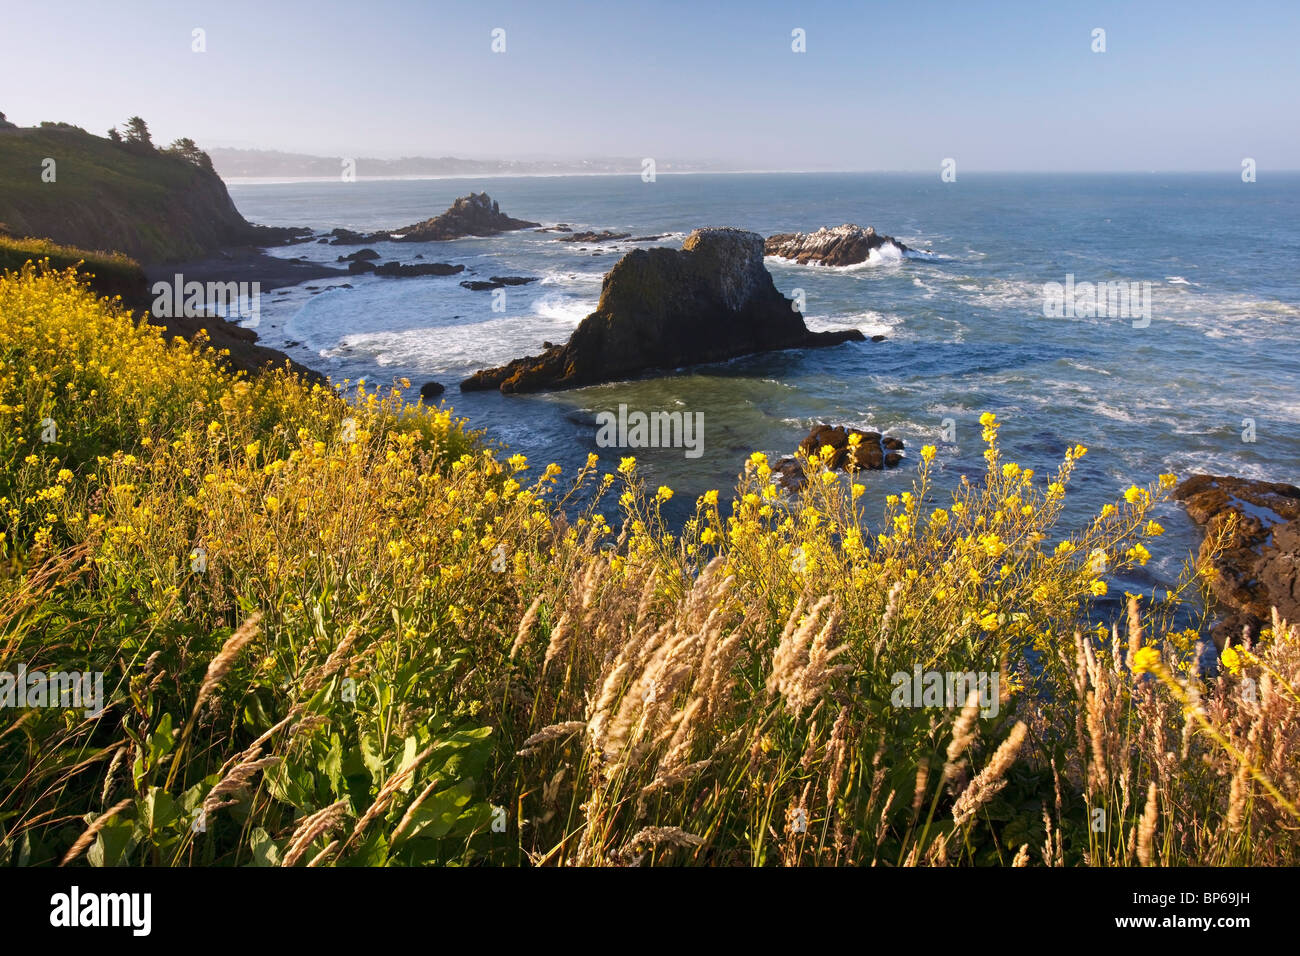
column 1207, row 381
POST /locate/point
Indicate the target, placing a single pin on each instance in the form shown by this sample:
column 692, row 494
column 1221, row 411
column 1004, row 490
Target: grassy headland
column 150, row 204
column 335, row 628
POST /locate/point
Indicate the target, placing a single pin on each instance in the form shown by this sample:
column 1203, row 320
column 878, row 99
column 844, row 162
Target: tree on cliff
column 137, row 133
column 189, row 151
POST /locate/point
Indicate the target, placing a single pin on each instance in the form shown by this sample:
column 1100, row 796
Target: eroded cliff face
column 663, row 308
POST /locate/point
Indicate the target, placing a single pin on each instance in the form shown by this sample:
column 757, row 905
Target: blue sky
column 883, row 85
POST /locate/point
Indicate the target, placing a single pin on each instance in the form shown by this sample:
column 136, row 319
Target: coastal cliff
column 152, row 205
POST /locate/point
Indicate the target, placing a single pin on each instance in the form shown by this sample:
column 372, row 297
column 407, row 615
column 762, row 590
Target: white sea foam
column 880, row 256
column 455, row 349
column 1221, row 463
column 567, row 278
column 1087, row 368
column 564, row 308
column 868, row 323
column 1114, row 414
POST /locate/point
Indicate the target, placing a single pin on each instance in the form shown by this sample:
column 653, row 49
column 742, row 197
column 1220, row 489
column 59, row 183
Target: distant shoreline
column 275, row 180
column 287, row 180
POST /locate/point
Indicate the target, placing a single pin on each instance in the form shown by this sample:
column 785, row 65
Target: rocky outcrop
column 496, row 282
column 663, row 308
column 431, row 390
column 870, row 452
column 348, row 237
column 604, row 236
column 359, row 256
column 396, row 270
column 474, row 215
column 1259, row 566
column 477, row 214
column 845, row 245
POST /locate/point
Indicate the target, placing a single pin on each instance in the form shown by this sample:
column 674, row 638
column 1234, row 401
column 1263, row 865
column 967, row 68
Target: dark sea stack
column 363, row 254
column 431, row 390
column 710, row 301
column 845, row 245
column 1259, row 567
column 474, row 215
column 395, row 270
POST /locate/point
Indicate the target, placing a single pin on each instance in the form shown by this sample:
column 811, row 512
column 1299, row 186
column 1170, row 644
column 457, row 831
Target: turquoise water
column 965, row 329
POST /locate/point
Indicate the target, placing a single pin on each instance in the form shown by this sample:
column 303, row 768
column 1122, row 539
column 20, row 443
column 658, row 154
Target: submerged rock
column 710, row 301
column 398, row 271
column 496, row 282
column 1259, row 566
column 845, row 245
column 605, row 236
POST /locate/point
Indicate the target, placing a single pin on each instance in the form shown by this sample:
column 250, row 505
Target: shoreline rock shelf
column 1259, row 566
column 710, row 301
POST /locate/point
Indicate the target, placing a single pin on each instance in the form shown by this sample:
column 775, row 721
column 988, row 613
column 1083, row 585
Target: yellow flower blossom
column 1146, row 660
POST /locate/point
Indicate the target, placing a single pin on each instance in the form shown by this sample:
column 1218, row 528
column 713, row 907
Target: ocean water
column 964, row 326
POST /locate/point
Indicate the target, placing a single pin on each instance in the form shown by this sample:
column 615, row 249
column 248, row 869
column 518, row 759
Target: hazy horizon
column 1013, row 87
